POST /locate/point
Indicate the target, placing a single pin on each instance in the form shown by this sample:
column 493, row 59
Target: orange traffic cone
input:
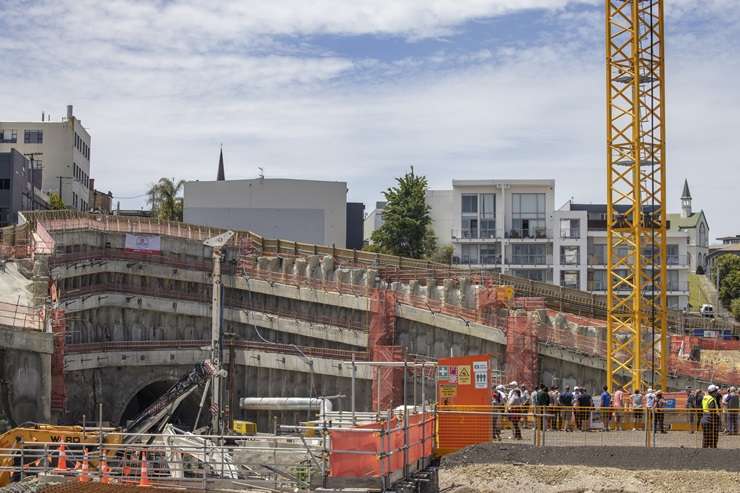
column 104, row 472
column 84, row 475
column 62, row 461
column 144, row 481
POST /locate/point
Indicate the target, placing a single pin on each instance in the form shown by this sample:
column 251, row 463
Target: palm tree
column 163, row 197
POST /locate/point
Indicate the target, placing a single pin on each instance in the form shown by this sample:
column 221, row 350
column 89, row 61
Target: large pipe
column 286, row 404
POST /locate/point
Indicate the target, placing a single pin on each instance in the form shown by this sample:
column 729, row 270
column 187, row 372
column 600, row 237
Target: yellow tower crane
column 637, row 352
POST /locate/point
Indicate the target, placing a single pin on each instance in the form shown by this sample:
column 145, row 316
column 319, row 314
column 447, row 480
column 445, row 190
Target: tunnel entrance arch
column 183, row 417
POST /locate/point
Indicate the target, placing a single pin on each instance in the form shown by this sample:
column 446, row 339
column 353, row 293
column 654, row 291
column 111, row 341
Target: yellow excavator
column 31, row 444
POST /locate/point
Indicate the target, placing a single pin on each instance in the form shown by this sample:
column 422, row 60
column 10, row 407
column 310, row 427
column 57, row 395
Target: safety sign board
column 443, row 372
column 453, row 374
column 463, row 375
column 480, row 366
column 481, row 380
column 447, row 391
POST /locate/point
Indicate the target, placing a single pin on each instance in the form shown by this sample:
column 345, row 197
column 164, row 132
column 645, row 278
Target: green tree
column 164, row 200
column 443, row 254
column 735, row 307
column 56, row 202
column 724, row 265
column 729, row 287
column 406, row 228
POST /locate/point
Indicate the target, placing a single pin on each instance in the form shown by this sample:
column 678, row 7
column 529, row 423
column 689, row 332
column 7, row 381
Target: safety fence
column 571, row 426
column 154, row 345
column 174, row 458
column 392, row 268
column 21, row 316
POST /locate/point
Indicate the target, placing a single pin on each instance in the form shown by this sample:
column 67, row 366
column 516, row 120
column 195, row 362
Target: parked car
column 707, row 310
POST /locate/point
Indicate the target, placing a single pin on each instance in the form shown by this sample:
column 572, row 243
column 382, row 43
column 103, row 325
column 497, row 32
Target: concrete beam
column 180, row 357
column 26, row 340
column 452, row 324
column 197, row 309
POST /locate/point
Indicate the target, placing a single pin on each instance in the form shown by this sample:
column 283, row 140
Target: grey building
column 18, row 192
column 355, row 219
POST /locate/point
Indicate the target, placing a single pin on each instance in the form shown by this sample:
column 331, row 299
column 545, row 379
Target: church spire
column 686, row 200
column 221, row 176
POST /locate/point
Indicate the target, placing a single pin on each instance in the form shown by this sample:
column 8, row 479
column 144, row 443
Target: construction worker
column 498, row 406
column 710, row 419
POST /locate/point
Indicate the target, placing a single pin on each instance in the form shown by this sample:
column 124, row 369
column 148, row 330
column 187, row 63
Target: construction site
column 139, row 353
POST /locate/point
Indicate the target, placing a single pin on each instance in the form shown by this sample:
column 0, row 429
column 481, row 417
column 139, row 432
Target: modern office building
column 301, row 210
column 513, row 226
column 19, row 188
column 61, row 149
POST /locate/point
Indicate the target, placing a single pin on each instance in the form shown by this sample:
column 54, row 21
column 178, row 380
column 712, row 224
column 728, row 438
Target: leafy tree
column 729, row 287
column 406, row 228
column 56, row 202
column 443, row 254
column 735, row 307
column 163, row 197
column 724, row 265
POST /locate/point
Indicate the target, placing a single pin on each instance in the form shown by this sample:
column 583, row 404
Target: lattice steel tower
column 637, row 353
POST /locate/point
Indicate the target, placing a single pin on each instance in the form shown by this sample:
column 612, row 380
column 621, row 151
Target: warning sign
column 480, row 366
column 443, row 372
column 453, row 374
column 463, row 375
column 447, row 391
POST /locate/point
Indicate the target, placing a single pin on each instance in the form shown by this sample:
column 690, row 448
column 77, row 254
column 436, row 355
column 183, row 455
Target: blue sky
column 358, row 91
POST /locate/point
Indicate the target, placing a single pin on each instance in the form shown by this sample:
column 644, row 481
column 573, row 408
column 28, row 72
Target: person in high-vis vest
column 710, row 419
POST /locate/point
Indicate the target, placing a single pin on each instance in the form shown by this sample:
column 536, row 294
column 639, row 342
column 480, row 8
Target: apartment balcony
column 530, row 260
column 528, row 234
column 474, row 235
column 481, row 260
column 573, row 234
column 673, row 288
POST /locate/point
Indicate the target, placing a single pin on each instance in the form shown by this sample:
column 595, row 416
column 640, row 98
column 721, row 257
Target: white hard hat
column 712, row 388
column 513, row 384
column 500, row 387
column 732, row 389
column 650, row 390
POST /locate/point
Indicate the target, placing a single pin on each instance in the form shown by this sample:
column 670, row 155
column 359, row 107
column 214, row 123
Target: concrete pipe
column 286, row 404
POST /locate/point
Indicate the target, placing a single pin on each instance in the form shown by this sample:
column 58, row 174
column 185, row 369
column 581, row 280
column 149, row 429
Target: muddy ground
column 517, row 468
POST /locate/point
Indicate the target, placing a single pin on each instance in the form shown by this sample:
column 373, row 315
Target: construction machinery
column 153, row 419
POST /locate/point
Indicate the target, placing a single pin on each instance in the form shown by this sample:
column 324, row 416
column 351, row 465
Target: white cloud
column 160, row 85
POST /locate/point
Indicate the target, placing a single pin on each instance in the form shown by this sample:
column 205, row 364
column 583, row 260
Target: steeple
column 221, row 176
column 686, row 200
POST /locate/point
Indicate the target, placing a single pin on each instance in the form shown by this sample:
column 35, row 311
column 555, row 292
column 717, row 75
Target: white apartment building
column 372, row 221
column 61, row 149
column 512, row 226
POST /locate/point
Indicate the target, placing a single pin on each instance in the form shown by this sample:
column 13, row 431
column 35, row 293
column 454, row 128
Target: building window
column 673, row 281
column 469, row 254
column 8, row 136
column 542, row 275
column 4, row 184
column 469, row 217
column 673, row 302
column 569, row 279
column 529, row 254
column 569, row 255
column 528, row 215
column 702, row 240
column 570, row 228
column 33, row 136
column 597, row 280
column 672, row 255
column 489, row 254
column 487, row 215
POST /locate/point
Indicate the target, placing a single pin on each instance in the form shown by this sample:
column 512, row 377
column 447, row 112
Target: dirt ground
column 519, row 468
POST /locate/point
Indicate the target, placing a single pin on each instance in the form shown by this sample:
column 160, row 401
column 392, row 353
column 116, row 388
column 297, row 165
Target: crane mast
column 637, row 352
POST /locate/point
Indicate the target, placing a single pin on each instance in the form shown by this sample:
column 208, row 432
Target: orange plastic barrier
column 460, row 426
column 372, row 451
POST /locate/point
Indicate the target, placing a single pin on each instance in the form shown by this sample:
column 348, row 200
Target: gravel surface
column 619, row 457
column 507, row 478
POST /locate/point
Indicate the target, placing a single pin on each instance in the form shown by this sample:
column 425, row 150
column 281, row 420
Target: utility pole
column 217, row 243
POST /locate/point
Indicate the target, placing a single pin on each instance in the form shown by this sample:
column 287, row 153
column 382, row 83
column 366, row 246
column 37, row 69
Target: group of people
column 567, row 410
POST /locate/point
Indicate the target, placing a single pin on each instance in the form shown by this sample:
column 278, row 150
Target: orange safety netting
column 377, row 449
column 387, row 381
column 521, row 360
